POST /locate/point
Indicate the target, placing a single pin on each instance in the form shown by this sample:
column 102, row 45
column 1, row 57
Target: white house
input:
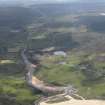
column 60, row 53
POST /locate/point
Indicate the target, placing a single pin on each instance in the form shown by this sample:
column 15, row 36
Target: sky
column 53, row 0
column 41, row 0
column 44, row 1
column 33, row 1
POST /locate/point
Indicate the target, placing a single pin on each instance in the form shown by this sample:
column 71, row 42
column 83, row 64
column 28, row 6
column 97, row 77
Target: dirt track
column 78, row 102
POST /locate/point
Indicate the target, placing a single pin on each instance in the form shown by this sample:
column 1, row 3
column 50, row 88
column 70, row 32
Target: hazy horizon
column 44, row 1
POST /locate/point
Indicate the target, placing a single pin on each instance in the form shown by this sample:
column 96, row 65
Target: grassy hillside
column 13, row 87
column 80, row 70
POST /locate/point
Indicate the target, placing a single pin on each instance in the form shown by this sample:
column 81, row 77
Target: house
column 13, row 50
column 60, row 53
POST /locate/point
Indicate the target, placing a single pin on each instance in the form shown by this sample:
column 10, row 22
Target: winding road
column 34, row 82
column 65, row 91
